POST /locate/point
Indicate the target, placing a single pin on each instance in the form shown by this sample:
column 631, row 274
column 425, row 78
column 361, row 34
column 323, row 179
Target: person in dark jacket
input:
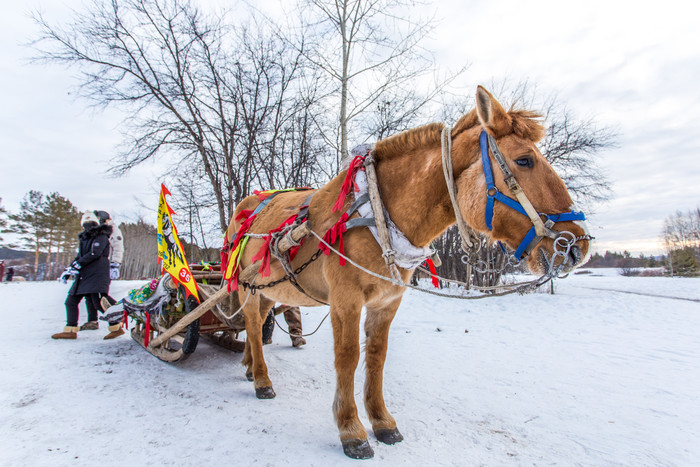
column 91, row 271
column 116, row 253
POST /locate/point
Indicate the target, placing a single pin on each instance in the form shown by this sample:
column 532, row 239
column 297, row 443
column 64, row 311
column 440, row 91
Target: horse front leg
column 377, row 323
column 253, row 359
column 345, row 317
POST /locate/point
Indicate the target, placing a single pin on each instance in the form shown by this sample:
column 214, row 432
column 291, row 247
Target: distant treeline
column 613, row 259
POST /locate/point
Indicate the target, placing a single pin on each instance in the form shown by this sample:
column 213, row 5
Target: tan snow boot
column 69, row 332
column 90, row 326
column 115, row 331
column 104, row 303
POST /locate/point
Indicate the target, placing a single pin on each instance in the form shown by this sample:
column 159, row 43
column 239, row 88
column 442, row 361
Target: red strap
column 349, row 182
column 125, row 320
column 147, row 331
column 244, row 214
column 433, row 272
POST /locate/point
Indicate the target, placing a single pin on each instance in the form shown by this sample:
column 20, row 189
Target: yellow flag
column 170, row 252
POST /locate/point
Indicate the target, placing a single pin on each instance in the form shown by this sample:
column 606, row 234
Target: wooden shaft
column 190, row 317
column 378, row 209
column 292, row 238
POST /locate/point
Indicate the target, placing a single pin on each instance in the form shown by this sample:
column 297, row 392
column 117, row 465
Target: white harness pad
column 408, row 256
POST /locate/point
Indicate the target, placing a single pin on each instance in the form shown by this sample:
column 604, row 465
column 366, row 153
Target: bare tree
column 682, row 230
column 370, row 51
column 197, row 89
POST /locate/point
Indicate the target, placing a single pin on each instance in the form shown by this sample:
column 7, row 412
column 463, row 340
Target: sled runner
column 172, row 332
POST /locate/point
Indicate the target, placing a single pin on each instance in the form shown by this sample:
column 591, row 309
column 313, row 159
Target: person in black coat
column 91, row 272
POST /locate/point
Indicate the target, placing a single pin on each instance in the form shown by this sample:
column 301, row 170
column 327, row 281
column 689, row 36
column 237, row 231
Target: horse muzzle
column 566, row 253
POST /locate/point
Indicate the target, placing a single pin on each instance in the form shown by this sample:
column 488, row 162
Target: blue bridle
column 539, row 229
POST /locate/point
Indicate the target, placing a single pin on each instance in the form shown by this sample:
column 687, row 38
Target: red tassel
column 349, row 182
column 242, row 230
column 334, row 234
column 264, row 251
column 264, row 255
column 125, row 320
column 433, row 272
column 147, row 331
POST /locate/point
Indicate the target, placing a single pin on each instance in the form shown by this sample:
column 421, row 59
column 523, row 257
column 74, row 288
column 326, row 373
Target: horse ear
column 491, row 114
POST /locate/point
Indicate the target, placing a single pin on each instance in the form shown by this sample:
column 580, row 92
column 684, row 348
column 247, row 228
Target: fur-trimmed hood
column 103, row 229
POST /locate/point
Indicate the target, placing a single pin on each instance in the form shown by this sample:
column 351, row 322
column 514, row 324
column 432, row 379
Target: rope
column 478, row 287
column 223, row 284
column 446, row 144
column 520, row 289
column 301, row 335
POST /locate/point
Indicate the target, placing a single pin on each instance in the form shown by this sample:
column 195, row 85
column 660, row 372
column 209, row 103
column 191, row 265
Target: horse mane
column 408, row 141
column 524, row 123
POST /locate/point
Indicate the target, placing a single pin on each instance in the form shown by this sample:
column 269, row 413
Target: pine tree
column 62, row 227
column 3, row 220
column 683, row 262
column 30, row 224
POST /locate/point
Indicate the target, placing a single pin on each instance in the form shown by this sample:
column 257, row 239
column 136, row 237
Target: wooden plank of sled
column 190, row 317
column 166, row 355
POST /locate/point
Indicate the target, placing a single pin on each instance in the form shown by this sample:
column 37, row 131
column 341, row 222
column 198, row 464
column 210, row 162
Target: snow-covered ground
column 593, row 375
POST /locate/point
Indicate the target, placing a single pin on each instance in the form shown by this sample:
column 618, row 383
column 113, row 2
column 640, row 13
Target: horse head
column 538, row 223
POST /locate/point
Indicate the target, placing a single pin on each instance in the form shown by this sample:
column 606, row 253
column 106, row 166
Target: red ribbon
column 433, row 272
column 334, row 234
column 125, row 320
column 264, row 251
column 243, row 229
column 147, row 331
column 349, row 182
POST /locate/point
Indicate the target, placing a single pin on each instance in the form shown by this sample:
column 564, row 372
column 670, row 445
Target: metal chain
column 254, row 288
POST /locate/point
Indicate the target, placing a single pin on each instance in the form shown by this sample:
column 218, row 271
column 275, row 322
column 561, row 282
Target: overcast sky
column 634, row 66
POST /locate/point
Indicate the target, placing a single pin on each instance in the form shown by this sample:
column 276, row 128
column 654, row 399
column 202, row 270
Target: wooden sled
column 173, row 337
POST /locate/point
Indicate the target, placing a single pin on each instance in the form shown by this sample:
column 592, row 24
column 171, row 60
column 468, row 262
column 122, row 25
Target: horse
column 415, row 195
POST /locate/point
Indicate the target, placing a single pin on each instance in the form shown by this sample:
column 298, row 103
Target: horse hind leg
column 377, row 325
column 253, row 359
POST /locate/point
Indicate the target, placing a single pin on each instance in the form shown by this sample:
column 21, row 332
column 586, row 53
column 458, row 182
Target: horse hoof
column 388, row 435
column 249, row 376
column 265, row 393
column 357, row 449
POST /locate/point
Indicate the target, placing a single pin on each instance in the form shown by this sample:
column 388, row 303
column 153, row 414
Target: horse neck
column 414, row 190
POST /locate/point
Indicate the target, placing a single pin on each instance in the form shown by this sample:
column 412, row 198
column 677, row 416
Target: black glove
column 69, row 271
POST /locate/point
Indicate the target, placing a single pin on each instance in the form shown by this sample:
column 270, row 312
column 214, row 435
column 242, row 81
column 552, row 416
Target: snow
column 583, row 377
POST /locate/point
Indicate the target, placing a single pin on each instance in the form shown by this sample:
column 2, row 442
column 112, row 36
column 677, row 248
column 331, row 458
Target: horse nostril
column 575, row 255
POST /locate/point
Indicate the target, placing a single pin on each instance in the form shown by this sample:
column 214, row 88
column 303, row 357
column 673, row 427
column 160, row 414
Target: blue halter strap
column 531, row 238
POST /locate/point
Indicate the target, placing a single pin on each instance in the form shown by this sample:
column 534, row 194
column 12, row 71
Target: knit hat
column 89, row 216
column 103, row 216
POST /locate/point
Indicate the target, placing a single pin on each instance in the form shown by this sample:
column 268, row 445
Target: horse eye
column 525, row 162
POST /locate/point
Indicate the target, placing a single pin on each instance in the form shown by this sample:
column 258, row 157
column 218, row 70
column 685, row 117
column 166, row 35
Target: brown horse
column 415, row 195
